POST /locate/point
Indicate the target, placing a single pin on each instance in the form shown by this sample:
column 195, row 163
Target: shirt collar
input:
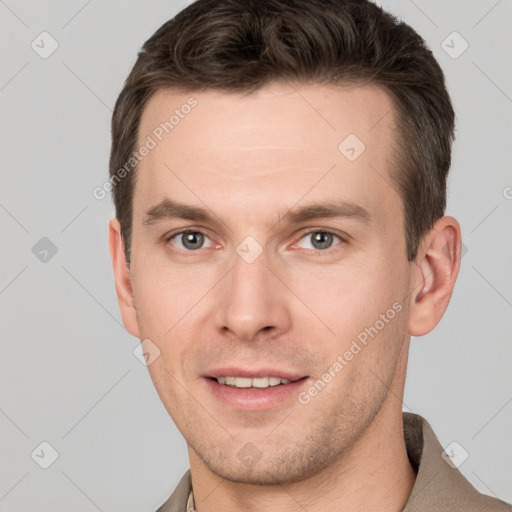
column 191, row 506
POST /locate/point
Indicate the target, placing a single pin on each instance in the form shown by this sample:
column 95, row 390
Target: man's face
column 254, row 291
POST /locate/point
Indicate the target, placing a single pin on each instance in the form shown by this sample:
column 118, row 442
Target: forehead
column 274, row 145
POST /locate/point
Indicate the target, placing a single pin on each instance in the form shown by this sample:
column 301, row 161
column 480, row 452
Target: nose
column 253, row 301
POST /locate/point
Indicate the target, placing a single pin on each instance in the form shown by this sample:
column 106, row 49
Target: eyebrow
column 168, row 209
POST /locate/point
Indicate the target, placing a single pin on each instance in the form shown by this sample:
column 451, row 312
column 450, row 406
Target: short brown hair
column 242, row 45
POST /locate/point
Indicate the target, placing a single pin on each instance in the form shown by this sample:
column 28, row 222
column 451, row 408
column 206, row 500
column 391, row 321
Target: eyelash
column 319, row 252
column 343, row 240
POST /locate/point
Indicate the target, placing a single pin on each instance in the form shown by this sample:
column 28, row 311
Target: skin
column 249, row 159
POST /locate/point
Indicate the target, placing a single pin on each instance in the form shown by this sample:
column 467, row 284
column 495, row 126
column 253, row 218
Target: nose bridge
column 251, row 300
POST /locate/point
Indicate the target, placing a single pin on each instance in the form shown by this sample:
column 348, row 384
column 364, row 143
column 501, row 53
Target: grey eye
column 319, row 240
column 189, row 240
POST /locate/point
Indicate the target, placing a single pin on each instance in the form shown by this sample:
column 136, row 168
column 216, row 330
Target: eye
column 318, row 240
column 189, row 240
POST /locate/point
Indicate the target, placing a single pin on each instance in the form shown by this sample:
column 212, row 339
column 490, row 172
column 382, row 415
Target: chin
column 285, row 469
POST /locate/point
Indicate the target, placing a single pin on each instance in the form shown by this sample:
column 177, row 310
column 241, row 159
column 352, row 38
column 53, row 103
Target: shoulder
column 439, row 485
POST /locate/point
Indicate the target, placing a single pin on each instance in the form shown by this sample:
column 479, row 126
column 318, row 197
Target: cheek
column 168, row 303
column 345, row 300
column 162, row 297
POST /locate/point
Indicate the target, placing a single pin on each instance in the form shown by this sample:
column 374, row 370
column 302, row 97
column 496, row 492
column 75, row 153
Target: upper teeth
column 246, row 382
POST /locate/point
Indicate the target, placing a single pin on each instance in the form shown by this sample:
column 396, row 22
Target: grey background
column 68, row 373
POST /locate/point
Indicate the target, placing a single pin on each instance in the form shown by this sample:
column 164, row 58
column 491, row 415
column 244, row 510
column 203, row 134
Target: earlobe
column 437, row 267
column 122, row 278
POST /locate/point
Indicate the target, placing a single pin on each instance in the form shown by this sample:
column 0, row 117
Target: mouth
column 254, row 390
column 253, row 383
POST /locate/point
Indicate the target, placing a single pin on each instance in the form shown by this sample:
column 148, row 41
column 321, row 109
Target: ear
column 122, row 277
column 437, row 267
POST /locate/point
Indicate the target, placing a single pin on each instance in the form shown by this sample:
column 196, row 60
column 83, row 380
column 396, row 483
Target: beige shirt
column 438, row 487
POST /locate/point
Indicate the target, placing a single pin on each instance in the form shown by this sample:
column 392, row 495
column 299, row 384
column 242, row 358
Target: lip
column 245, row 399
column 253, row 373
